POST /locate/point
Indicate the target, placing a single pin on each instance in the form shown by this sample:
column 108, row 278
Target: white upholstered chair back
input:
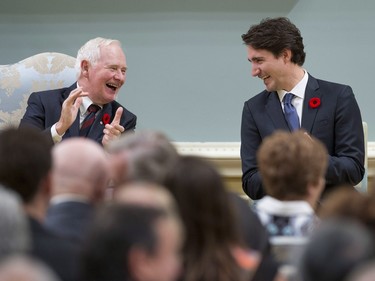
column 362, row 186
column 42, row 71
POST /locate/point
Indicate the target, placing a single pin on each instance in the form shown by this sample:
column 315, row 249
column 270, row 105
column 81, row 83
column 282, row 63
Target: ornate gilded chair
column 39, row 72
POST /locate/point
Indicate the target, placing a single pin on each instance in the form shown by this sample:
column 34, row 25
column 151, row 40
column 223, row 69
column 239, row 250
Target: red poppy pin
column 106, row 118
column 314, row 102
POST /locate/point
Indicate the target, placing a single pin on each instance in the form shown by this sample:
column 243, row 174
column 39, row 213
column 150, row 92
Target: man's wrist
column 56, row 137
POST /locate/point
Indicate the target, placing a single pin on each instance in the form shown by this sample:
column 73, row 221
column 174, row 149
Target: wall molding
column 226, row 157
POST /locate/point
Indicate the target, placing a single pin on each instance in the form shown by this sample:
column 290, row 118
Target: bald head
column 80, row 168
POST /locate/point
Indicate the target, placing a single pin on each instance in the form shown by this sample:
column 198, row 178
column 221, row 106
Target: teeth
column 112, row 85
column 265, row 77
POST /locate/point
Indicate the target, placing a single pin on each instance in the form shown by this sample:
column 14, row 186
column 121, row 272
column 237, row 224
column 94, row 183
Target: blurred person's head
column 25, row 167
column 133, row 242
column 142, row 156
column 335, row 250
column 80, row 168
column 293, row 166
column 212, row 229
column 25, row 268
column 347, row 203
column 364, row 272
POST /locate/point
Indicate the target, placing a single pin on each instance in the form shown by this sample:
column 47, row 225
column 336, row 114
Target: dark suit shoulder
column 60, row 254
column 333, row 88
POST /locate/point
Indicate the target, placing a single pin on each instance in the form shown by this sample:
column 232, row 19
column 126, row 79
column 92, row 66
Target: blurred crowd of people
column 137, row 210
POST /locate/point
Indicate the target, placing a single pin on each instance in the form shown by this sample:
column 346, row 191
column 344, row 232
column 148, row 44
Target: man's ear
column 286, row 55
column 140, row 264
column 85, row 68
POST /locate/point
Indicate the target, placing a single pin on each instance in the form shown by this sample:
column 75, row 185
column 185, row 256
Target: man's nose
column 254, row 70
column 119, row 75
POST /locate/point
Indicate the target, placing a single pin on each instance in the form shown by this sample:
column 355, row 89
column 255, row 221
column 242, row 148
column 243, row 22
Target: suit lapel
column 96, row 131
column 275, row 112
column 308, row 113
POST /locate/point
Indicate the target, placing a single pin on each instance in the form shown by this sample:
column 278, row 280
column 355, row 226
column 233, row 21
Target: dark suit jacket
column 61, row 255
column 336, row 122
column 44, row 109
column 70, row 219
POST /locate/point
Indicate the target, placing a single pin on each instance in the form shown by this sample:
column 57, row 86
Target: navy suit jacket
column 70, row 219
column 44, row 109
column 336, row 122
column 62, row 255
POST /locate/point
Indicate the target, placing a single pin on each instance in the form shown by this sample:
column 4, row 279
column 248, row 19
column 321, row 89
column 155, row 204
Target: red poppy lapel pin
column 106, row 118
column 314, row 102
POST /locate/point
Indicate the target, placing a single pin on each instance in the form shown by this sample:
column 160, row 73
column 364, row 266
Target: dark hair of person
column 209, row 218
column 25, row 160
column 276, row 35
column 116, row 229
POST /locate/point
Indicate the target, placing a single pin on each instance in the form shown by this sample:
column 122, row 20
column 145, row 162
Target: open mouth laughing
column 113, row 86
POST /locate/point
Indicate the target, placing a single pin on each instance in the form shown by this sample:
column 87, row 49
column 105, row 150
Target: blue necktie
column 290, row 112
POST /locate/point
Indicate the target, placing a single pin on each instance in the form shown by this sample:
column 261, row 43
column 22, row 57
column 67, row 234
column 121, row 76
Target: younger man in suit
column 326, row 110
column 61, row 113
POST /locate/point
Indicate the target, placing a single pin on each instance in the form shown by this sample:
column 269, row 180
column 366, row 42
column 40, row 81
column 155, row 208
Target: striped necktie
column 89, row 119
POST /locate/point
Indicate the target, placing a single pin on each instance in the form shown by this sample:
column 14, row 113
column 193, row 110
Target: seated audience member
column 142, row 156
column 344, row 202
column 145, row 194
column 335, row 250
column 14, row 231
column 347, row 203
column 26, row 167
column 132, row 242
column 364, row 272
column 214, row 248
column 62, row 113
column 256, row 237
column 79, row 180
column 25, row 268
column 292, row 167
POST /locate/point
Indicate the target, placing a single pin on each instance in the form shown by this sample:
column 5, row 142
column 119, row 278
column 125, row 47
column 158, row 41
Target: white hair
column 90, row 51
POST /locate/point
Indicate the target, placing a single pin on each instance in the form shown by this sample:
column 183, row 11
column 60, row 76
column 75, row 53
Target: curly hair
column 288, row 162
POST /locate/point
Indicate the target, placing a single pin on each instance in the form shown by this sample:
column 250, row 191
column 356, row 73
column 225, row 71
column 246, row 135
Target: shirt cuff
column 55, row 136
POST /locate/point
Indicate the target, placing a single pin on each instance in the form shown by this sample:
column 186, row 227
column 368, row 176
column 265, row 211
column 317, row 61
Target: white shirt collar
column 273, row 206
column 68, row 198
column 86, row 102
column 298, row 90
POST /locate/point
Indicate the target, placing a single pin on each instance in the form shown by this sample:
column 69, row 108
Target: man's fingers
column 76, row 93
column 113, row 129
column 117, row 118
